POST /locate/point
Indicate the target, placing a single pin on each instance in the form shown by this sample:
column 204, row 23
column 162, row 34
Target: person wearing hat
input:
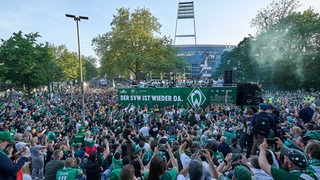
column 196, row 169
column 262, row 123
column 193, row 171
column 19, row 143
column 235, row 169
column 295, row 162
column 241, row 173
column 8, row 169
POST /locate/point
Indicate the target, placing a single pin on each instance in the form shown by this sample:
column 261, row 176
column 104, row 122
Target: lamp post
column 77, row 19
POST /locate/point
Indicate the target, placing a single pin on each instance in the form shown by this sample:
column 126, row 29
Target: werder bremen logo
column 196, row 98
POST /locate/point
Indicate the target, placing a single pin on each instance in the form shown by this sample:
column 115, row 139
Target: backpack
column 262, row 125
column 247, row 127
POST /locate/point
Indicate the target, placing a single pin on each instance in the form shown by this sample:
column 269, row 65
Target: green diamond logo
column 196, row 98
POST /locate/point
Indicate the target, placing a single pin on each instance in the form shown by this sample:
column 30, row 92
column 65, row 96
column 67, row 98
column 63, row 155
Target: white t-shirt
column 260, row 174
column 144, row 131
column 185, row 161
column 146, row 146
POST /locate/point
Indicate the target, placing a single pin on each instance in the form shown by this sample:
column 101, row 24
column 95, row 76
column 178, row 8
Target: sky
column 216, row 21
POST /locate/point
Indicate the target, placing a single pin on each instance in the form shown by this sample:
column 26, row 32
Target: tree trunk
column 28, row 89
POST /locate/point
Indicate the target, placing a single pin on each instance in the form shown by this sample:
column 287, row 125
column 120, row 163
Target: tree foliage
column 90, row 67
column 24, row 61
column 68, row 63
column 239, row 60
column 273, row 13
column 286, row 55
column 131, row 47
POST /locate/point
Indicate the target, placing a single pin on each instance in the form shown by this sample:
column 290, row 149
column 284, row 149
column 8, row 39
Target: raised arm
column 213, row 171
column 172, row 158
column 107, row 150
column 263, row 162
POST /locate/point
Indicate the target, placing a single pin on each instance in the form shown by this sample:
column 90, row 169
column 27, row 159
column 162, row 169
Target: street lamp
column 77, row 19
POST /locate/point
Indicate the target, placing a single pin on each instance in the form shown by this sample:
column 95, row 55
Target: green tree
column 24, row 61
column 131, row 47
column 67, row 61
column 240, row 61
column 284, row 53
column 273, row 13
column 288, row 52
column 90, row 67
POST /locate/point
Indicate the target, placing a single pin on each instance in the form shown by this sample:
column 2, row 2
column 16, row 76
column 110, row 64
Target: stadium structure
column 203, row 59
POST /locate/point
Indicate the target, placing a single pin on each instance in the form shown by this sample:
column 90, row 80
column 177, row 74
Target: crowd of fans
column 48, row 137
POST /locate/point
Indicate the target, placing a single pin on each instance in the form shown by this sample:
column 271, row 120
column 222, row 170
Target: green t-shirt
column 51, row 136
column 292, row 175
column 184, row 112
column 115, row 174
column 79, row 138
column 137, row 148
column 169, row 175
column 68, row 173
column 229, row 136
column 218, row 156
column 116, row 163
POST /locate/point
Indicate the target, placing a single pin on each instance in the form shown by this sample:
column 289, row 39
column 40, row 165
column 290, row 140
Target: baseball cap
column 17, row 136
column 296, row 157
column 313, row 135
column 5, row 136
column 20, row 145
column 263, row 106
column 195, row 168
column 241, row 173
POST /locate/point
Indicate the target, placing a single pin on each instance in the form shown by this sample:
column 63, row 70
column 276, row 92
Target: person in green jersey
column 295, row 162
column 79, row 136
column 69, row 172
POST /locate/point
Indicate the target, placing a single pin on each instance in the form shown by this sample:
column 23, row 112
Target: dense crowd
column 48, row 137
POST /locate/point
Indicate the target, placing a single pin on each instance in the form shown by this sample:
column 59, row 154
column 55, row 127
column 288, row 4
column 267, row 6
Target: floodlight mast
column 77, row 19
